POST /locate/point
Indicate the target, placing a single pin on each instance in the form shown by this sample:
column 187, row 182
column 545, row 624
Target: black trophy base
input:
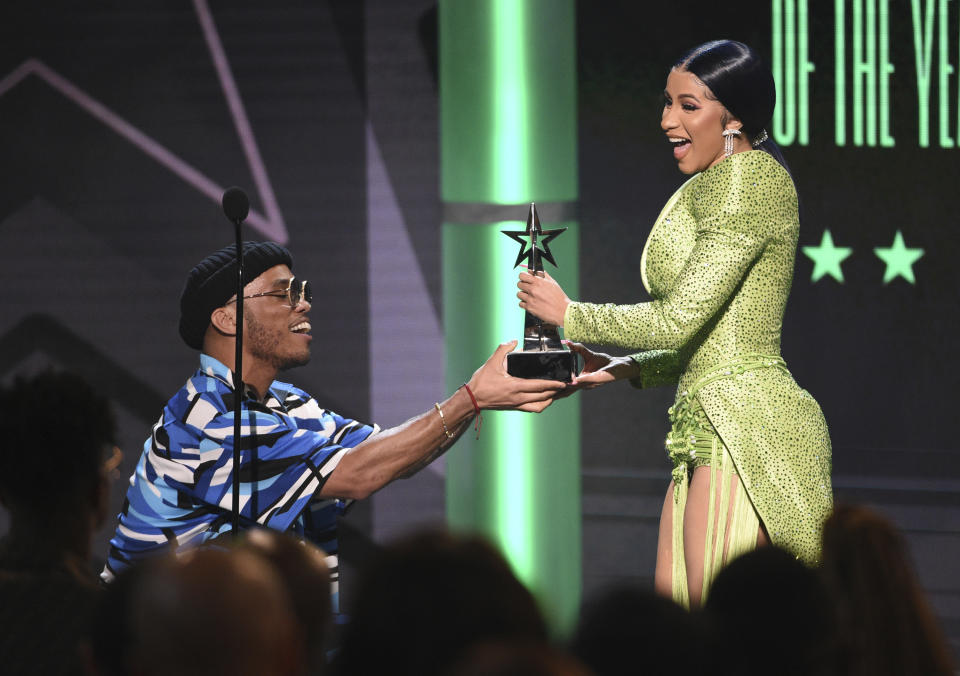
column 547, row 365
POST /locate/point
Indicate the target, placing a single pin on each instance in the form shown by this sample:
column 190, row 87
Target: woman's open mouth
column 680, row 146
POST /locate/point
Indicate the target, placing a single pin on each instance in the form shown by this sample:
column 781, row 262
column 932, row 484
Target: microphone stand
column 236, row 206
column 238, row 389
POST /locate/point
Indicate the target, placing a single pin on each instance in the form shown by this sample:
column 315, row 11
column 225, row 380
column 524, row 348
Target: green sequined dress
column 719, row 264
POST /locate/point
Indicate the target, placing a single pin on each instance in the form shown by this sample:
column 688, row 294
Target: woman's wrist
column 624, row 368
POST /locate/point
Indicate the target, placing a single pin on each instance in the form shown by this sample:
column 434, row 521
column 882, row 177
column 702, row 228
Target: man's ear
column 224, row 321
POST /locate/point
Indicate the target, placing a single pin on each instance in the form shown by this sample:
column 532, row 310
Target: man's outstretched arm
column 403, row 450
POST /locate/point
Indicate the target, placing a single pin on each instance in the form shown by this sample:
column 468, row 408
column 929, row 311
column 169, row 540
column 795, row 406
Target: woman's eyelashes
column 667, row 102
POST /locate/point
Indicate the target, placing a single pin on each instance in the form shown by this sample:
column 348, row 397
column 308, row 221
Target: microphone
column 236, row 205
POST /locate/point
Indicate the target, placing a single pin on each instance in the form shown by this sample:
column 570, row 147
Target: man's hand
column 494, row 388
column 403, row 450
column 542, row 297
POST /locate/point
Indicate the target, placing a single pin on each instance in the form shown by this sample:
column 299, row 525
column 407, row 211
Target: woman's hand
column 600, row 369
column 542, row 297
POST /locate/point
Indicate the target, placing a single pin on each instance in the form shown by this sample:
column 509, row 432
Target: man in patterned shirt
column 300, row 463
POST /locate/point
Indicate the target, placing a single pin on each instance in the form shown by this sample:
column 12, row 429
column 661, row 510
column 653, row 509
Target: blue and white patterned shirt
column 181, row 493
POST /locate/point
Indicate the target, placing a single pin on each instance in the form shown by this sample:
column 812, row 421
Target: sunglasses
column 296, row 291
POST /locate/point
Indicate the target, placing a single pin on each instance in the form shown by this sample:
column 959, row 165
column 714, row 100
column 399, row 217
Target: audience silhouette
column 626, row 630
column 432, row 603
column 771, row 614
column 302, row 568
column 56, row 451
column 430, row 598
column 885, row 624
column 207, row 612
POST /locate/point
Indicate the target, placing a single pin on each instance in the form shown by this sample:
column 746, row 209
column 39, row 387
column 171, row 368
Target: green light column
column 508, row 138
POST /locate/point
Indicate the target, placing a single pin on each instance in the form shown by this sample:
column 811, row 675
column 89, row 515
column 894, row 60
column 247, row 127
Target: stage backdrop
column 120, row 126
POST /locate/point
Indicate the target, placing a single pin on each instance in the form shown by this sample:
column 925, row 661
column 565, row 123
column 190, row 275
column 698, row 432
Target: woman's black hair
column 742, row 82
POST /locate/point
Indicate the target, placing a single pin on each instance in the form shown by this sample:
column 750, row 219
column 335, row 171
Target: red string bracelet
column 476, row 410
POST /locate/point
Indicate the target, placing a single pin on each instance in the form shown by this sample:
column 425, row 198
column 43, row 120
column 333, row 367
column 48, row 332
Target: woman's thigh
column 663, row 576
column 695, row 524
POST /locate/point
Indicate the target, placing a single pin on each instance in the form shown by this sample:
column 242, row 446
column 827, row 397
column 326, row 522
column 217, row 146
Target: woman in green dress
column 750, row 449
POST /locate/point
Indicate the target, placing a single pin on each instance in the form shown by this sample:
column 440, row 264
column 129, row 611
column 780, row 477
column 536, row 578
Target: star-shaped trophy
column 543, row 354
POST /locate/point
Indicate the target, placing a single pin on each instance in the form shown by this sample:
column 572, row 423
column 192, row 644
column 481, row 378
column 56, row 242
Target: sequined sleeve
column 658, row 368
column 739, row 204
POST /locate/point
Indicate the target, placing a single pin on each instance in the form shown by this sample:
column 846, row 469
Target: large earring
column 728, row 135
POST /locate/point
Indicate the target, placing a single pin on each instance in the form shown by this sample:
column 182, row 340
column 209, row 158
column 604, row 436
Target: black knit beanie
column 214, row 280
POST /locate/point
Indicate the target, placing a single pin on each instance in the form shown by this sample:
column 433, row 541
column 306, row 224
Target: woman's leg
column 696, row 524
column 662, row 578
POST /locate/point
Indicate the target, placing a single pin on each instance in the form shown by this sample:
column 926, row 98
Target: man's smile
column 302, row 326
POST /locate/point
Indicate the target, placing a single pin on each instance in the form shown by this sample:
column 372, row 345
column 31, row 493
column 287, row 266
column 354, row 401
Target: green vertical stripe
column 840, row 82
column 519, row 484
column 508, row 101
column 508, row 136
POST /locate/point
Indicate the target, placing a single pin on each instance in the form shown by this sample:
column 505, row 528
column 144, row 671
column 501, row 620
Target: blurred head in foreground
column 302, row 568
column 886, row 625
column 430, row 598
column 206, row 612
column 57, row 439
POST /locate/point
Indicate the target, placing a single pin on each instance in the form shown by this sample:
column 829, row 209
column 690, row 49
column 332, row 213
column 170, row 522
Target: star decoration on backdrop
column 543, row 244
column 827, row 258
column 899, row 259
